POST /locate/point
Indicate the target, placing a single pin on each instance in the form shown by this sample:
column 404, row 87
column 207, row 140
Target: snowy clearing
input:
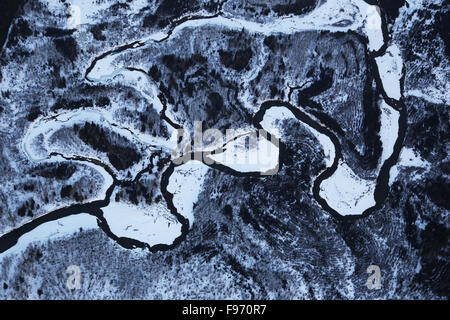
column 185, row 184
column 390, row 67
column 346, row 193
column 152, row 225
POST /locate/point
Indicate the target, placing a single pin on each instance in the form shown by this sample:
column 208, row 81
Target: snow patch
column 388, row 131
column 372, row 25
column 185, row 183
column 390, row 67
column 152, row 225
column 408, row 158
column 250, row 153
column 346, row 193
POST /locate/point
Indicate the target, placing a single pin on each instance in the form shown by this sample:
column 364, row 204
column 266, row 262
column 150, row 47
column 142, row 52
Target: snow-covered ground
column 332, row 16
column 408, row 158
column 44, row 128
column 134, row 78
column 432, row 94
column 52, row 230
column 272, row 123
column 372, row 25
column 152, row 224
column 81, row 13
column 388, row 130
column 390, row 67
column 347, row 193
column 250, row 153
column 185, row 184
column 273, row 118
column 39, row 141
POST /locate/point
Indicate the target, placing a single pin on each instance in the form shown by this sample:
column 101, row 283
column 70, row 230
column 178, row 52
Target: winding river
column 94, row 208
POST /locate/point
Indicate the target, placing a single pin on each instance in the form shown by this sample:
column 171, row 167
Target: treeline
column 120, row 156
column 59, row 171
column 237, row 60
